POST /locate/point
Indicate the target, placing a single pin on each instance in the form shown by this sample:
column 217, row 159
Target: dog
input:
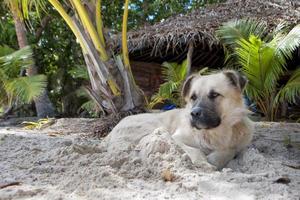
column 211, row 129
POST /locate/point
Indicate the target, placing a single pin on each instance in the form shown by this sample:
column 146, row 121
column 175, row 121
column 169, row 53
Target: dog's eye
column 193, row 97
column 213, row 95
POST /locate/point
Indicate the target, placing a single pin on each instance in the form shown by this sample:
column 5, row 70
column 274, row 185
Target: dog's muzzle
column 202, row 118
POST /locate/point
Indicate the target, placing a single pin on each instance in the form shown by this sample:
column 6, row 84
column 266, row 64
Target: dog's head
column 211, row 97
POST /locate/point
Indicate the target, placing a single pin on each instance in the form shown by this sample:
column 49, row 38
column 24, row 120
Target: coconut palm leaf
column 91, row 107
column 12, row 63
column 169, row 71
column 235, row 30
column 173, row 71
column 281, row 28
column 291, row 90
column 5, row 50
column 174, row 74
column 13, row 87
column 167, row 90
column 24, row 7
column 229, row 33
column 79, row 71
column 262, row 57
column 3, row 94
column 287, row 44
column 26, row 88
column 257, row 60
column 28, row 5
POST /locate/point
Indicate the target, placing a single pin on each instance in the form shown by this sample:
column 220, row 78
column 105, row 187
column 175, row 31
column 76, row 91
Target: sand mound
column 72, row 167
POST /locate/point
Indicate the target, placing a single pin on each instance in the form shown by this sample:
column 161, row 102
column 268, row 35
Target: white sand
column 69, row 166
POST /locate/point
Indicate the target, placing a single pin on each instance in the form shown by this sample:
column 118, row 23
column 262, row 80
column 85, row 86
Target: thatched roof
column 168, row 40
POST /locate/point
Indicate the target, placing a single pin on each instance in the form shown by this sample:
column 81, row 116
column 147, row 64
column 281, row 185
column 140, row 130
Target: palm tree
column 43, row 104
column 13, row 88
column 262, row 57
column 112, row 85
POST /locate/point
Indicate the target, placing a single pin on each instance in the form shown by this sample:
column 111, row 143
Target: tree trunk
column 131, row 97
column 43, row 105
column 112, row 84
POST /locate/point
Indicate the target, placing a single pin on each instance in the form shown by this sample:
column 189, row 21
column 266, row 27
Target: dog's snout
column 197, row 112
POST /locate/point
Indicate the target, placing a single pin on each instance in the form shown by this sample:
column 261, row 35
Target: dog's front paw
column 205, row 165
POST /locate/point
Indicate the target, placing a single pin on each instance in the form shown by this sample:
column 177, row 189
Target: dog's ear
column 187, row 85
column 236, row 79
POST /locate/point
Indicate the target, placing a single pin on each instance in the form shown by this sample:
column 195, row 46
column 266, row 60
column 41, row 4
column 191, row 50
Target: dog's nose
column 196, row 112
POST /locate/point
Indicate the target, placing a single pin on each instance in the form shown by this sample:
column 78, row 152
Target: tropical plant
column 262, row 57
column 111, row 81
column 43, row 105
column 90, row 104
column 174, row 75
column 13, row 88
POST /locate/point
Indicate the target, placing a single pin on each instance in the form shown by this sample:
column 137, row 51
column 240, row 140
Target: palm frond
column 235, row 30
column 90, row 106
column 287, row 44
column 174, row 74
column 281, row 28
column 182, row 70
column 29, row 5
column 26, row 89
column 169, row 71
column 167, row 91
column 173, row 71
column 258, row 62
column 12, row 87
column 79, row 72
column 229, row 33
column 12, row 63
column 291, row 90
column 5, row 50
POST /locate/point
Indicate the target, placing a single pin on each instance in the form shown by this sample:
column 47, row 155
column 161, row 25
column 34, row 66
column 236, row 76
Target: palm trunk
column 43, row 105
column 112, row 84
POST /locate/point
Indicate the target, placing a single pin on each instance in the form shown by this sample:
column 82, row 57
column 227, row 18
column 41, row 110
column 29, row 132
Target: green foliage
column 232, row 31
column 291, row 89
column 14, row 88
column 8, row 34
column 26, row 88
column 263, row 57
column 173, row 74
column 91, row 108
column 79, row 72
column 59, row 57
column 147, row 11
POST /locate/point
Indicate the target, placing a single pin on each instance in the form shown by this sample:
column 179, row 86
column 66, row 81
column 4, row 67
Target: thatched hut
column 171, row 39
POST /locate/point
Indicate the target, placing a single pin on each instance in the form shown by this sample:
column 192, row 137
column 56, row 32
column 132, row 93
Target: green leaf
column 235, row 30
column 291, row 90
column 12, row 63
column 5, row 50
column 79, row 71
column 26, row 89
column 262, row 56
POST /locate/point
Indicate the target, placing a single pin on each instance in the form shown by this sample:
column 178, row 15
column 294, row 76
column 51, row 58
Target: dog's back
column 131, row 129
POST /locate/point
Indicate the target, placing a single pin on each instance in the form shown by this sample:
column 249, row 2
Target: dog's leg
column 221, row 158
column 188, row 145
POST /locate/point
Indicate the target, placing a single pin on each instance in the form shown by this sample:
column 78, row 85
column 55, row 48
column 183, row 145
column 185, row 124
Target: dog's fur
column 212, row 128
